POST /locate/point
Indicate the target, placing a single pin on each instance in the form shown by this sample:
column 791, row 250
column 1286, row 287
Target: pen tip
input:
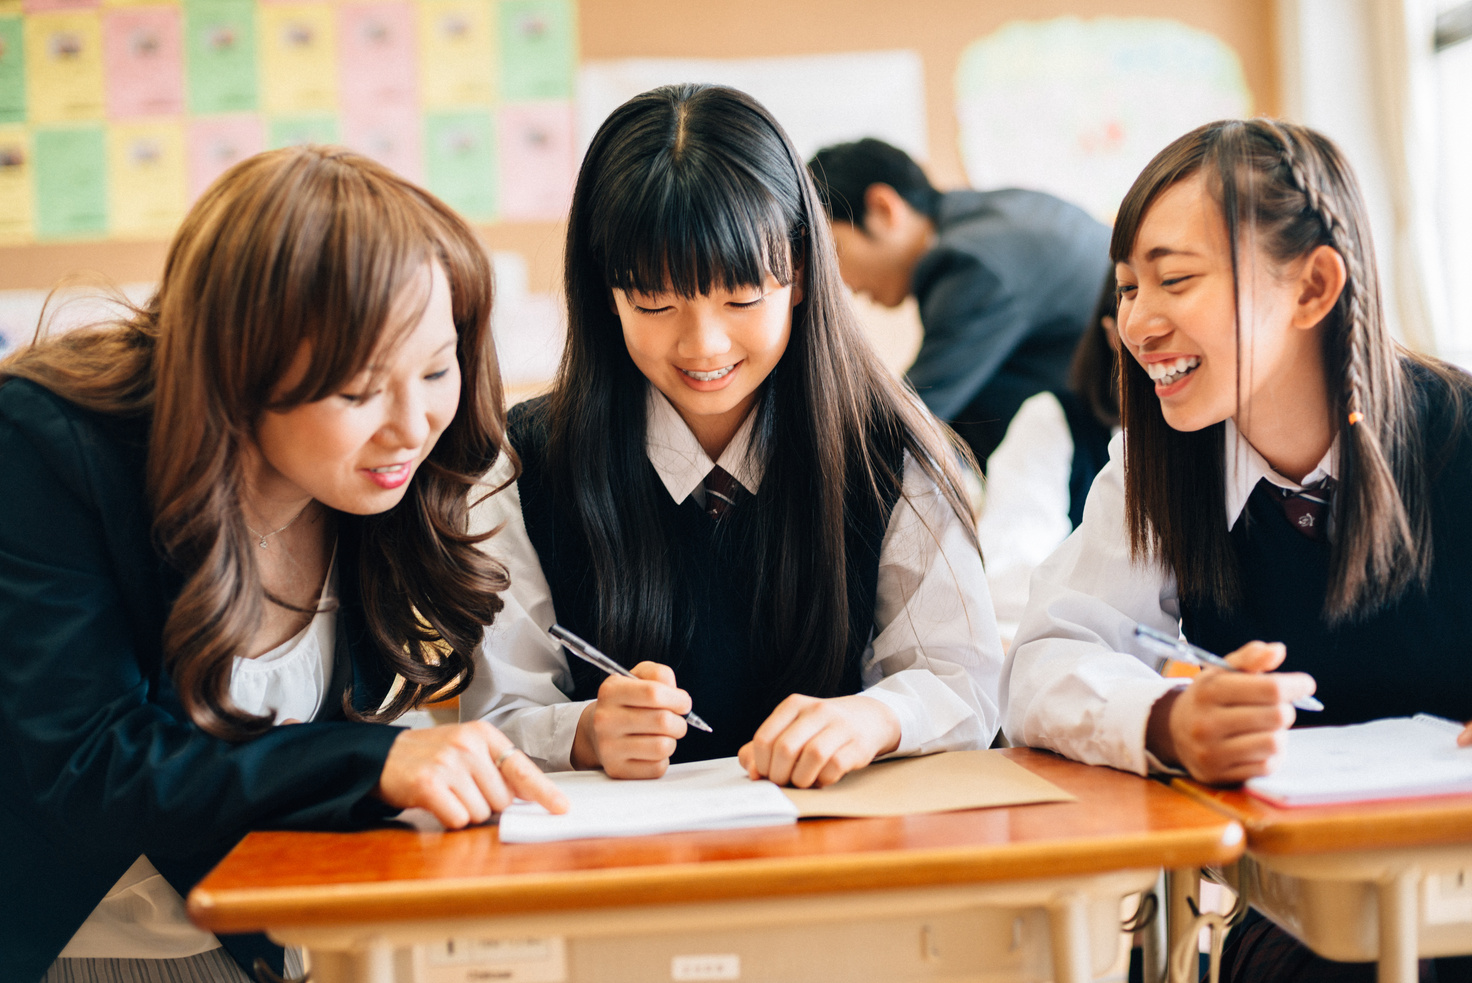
column 697, row 723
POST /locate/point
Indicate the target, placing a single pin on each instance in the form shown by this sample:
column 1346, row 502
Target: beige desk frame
column 1388, row 882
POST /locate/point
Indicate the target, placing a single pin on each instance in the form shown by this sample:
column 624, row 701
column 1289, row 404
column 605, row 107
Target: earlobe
column 799, row 283
column 1321, row 283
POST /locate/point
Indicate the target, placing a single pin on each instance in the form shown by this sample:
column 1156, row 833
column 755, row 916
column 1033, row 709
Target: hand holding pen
column 1183, row 651
column 631, row 729
column 1226, row 726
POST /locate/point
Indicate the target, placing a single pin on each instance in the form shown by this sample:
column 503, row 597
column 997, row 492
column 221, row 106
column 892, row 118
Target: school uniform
column 1037, row 481
column 928, row 645
column 1079, row 683
column 101, row 765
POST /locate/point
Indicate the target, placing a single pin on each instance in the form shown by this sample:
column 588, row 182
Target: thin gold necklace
column 263, row 536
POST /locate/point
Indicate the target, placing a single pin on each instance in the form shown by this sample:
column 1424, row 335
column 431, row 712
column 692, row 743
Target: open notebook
column 695, row 795
column 718, row 795
column 1395, row 758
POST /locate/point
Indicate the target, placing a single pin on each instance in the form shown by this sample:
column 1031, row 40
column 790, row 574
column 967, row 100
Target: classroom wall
column 611, row 29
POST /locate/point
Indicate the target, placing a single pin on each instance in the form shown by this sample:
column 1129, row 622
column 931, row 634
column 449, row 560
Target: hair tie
column 1355, row 417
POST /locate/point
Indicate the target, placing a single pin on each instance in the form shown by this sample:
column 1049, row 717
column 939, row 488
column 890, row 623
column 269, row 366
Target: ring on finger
column 501, row 758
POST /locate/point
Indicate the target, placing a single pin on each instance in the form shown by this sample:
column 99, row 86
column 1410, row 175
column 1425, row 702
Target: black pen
column 593, row 656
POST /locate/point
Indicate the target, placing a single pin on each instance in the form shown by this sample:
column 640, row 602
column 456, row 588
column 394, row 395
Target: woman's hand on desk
column 451, row 771
column 810, row 742
column 1227, row 727
column 631, row 729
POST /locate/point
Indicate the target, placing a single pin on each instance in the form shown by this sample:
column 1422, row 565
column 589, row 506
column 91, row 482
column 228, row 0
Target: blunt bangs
column 687, row 218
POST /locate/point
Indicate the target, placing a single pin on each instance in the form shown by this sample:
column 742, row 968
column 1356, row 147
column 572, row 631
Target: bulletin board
column 115, row 115
column 131, row 247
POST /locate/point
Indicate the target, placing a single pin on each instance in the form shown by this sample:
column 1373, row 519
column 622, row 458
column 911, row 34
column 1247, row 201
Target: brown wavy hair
column 307, row 246
column 1288, row 190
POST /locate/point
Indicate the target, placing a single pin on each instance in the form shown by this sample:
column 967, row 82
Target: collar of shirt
column 679, row 459
column 1246, row 467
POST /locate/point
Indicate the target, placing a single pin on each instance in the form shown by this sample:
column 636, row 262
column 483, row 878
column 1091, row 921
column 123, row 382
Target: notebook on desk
column 1395, row 758
column 718, row 794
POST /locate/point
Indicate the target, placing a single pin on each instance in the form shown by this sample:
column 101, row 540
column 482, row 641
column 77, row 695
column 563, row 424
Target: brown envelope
column 935, row 783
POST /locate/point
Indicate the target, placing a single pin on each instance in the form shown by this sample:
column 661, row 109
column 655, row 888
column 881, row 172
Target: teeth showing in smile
column 389, row 469
column 1169, row 373
column 709, row 376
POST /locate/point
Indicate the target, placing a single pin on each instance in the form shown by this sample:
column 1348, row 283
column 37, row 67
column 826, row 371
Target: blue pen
column 1179, row 648
column 594, row 657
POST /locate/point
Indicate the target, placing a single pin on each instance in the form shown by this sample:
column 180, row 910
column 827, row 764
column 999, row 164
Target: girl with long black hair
column 725, row 489
column 1290, row 489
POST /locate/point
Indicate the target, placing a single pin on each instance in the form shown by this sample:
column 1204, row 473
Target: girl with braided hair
column 1288, row 489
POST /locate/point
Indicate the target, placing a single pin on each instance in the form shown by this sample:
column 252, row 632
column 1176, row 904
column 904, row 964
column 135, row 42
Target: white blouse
column 143, row 917
column 1076, row 680
column 934, row 659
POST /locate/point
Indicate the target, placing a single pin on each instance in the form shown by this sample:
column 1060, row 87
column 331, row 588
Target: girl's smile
column 713, row 380
column 1170, row 372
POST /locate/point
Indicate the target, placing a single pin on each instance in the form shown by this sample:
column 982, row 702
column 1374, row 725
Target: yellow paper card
column 10, row 8
column 146, row 178
column 457, row 54
column 16, row 165
column 64, row 66
column 298, row 48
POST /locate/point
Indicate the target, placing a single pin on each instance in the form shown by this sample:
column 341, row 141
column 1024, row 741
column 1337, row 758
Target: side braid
column 1369, row 570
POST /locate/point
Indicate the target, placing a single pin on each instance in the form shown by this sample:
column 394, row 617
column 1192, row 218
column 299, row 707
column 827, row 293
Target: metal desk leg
column 376, row 963
column 1399, row 921
column 1154, row 943
column 1068, row 923
column 1182, row 889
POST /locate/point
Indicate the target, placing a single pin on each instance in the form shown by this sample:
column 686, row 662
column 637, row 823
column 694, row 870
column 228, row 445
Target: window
column 1453, row 72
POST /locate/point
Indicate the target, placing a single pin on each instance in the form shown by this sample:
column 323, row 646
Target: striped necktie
column 1308, row 509
column 720, row 492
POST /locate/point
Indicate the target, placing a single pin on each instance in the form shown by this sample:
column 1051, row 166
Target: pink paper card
column 142, row 59
column 390, row 134
column 217, row 143
column 537, row 161
column 39, row 6
column 378, row 56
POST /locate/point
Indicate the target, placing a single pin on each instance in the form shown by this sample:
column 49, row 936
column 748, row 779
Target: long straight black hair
column 685, row 189
column 1284, row 190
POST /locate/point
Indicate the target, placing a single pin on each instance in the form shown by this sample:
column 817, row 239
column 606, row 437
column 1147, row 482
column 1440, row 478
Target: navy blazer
column 1004, row 295
column 98, row 761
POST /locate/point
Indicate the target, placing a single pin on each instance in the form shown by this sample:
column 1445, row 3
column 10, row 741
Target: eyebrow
column 1160, row 252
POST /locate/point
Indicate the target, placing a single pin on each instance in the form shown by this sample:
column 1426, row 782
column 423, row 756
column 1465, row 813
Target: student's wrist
column 1159, row 740
column 886, row 728
column 584, row 756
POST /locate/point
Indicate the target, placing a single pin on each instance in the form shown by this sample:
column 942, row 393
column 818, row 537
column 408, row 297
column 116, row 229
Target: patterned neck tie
column 720, row 492
column 1307, row 510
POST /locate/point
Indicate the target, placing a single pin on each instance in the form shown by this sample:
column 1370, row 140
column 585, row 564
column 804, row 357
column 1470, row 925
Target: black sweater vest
column 714, row 594
column 1409, row 657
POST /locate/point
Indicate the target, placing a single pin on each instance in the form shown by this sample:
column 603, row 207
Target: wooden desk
column 1023, row 893
column 1385, row 881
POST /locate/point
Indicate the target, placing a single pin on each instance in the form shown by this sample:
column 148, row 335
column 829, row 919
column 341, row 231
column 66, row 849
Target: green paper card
column 221, row 50
column 71, row 182
column 460, row 158
column 12, row 72
column 538, row 50
column 293, row 131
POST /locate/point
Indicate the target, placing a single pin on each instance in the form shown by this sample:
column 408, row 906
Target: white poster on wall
column 1078, row 107
column 818, row 99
